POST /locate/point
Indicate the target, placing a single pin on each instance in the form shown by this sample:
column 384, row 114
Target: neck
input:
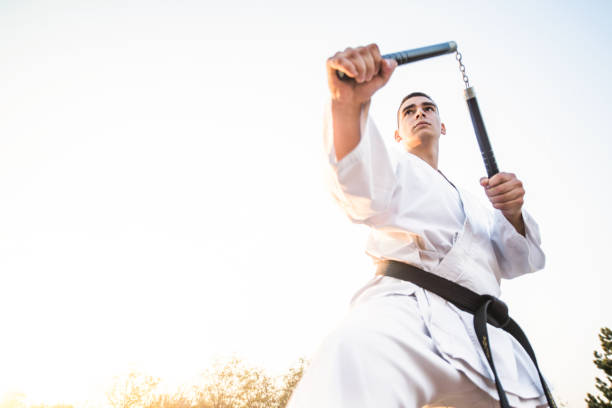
column 427, row 152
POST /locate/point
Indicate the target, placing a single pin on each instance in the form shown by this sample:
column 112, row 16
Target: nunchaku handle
column 481, row 133
column 417, row 54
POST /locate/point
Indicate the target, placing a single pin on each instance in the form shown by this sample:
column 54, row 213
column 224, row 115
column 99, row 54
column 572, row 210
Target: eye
column 429, row 108
column 409, row 111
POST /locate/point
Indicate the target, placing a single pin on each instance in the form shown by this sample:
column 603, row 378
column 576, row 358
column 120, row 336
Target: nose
column 420, row 112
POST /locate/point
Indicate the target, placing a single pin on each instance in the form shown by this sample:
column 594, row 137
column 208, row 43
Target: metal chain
column 462, row 69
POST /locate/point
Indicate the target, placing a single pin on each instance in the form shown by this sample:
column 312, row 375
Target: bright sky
column 161, row 191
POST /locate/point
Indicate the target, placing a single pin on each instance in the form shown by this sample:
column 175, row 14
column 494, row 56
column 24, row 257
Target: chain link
column 458, row 57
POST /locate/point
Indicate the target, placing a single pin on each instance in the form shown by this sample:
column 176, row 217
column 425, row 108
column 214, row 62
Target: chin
column 424, row 137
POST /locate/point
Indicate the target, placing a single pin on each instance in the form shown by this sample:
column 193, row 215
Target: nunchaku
column 417, row 54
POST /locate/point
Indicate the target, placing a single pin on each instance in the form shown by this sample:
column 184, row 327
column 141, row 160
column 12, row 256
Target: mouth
column 421, row 124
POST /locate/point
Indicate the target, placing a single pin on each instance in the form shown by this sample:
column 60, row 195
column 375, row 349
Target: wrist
column 516, row 219
column 347, row 108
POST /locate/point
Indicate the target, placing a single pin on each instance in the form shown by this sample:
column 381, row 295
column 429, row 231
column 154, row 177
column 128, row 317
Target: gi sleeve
column 517, row 254
column 363, row 181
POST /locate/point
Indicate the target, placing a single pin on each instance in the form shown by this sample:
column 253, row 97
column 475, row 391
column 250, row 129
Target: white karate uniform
column 400, row 345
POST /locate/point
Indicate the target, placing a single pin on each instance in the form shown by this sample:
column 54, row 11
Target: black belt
column 485, row 308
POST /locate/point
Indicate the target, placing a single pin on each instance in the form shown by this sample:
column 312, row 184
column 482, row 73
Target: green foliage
column 603, row 361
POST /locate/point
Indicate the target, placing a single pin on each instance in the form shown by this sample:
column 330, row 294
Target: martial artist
column 401, row 345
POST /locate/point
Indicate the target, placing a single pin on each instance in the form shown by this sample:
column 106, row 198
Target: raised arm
column 370, row 72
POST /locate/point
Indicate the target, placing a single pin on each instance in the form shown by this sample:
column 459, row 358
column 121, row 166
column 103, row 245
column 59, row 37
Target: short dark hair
column 411, row 95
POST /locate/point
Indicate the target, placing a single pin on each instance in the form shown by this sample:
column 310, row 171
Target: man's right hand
column 369, row 71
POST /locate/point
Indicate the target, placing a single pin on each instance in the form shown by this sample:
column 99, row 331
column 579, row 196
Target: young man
column 401, row 345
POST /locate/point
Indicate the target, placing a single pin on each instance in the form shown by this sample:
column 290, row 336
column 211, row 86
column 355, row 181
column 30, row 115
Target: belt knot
column 497, row 310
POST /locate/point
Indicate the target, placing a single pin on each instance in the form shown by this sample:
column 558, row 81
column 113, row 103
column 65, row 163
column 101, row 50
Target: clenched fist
column 506, row 193
column 369, row 71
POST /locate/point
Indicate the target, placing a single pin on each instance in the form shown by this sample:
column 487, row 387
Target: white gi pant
column 382, row 356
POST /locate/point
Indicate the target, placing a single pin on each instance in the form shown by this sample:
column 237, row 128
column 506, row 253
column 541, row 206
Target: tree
column 290, row 381
column 603, row 361
column 177, row 400
column 235, row 385
column 134, row 391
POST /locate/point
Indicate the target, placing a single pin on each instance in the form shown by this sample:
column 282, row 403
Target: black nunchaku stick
column 417, row 54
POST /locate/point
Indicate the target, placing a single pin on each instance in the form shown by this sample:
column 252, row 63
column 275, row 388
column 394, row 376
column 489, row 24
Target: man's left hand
column 506, row 193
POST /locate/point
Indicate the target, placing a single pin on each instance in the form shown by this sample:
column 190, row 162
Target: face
column 419, row 121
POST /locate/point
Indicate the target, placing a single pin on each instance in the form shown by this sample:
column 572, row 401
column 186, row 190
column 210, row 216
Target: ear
column 443, row 129
column 398, row 138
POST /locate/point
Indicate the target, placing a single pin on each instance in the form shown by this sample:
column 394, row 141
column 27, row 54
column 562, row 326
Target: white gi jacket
column 416, row 216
